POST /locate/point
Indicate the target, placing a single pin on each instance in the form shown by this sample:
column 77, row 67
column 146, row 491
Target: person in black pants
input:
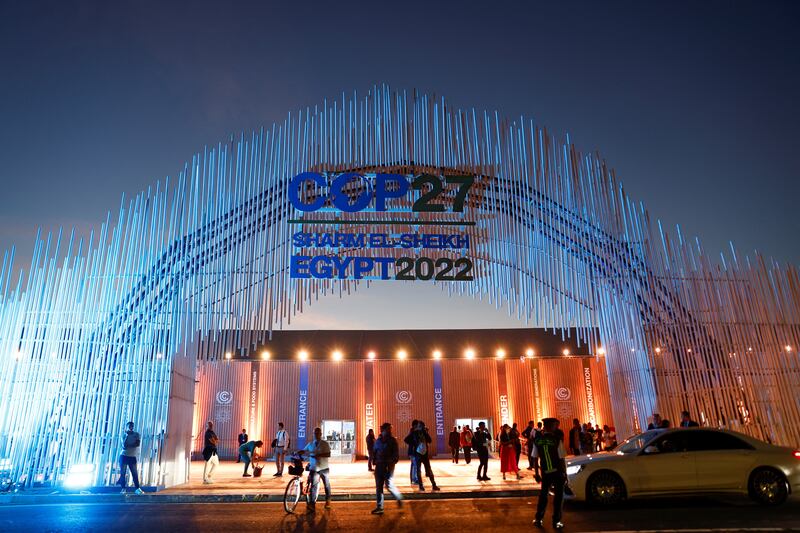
column 550, row 454
column 242, row 438
column 370, row 449
column 480, row 441
column 455, row 443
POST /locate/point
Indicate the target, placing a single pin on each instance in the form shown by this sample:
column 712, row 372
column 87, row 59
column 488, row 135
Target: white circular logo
column 224, row 397
column 563, row 394
column 402, row 396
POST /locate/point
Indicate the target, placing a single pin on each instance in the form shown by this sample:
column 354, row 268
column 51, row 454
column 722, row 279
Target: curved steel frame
column 89, row 335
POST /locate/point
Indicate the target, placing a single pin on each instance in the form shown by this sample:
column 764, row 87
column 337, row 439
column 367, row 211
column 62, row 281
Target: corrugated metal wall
column 402, row 391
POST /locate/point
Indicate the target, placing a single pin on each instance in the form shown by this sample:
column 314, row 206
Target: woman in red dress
column 508, row 457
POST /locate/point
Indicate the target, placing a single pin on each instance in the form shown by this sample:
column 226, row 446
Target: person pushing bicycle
column 318, row 452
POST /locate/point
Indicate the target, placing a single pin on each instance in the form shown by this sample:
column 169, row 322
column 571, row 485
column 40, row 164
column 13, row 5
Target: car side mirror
column 650, row 450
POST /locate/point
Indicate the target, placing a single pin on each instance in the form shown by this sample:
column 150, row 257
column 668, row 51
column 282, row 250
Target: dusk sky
column 696, row 105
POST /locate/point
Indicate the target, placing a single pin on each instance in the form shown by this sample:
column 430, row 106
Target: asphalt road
column 507, row 514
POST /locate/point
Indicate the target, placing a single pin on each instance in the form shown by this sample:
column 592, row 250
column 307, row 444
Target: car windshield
column 637, row 443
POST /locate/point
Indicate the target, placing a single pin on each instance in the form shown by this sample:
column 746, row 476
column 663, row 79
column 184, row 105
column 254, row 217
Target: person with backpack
column 420, row 440
column 210, row 441
column 466, row 443
column 409, row 440
column 387, row 453
column 127, row 459
column 550, row 457
column 480, row 441
column 280, row 444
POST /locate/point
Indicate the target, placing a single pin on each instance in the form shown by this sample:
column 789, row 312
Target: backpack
column 422, row 448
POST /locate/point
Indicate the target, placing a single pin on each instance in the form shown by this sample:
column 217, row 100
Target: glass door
column 341, row 437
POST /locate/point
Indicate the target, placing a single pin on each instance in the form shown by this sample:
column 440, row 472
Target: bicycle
column 296, row 488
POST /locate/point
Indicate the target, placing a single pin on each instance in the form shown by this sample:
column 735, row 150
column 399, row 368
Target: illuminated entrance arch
column 106, row 329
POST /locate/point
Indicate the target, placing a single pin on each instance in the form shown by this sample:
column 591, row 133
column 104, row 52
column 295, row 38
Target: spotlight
column 302, row 355
column 337, row 355
column 371, row 356
column 437, row 354
column 601, row 350
column 566, row 351
column 80, row 476
column 469, row 353
column 658, row 350
column 529, row 353
column 159, row 355
column 265, row 355
column 228, row 355
column 500, row 353
column 402, row 354
column 788, row 348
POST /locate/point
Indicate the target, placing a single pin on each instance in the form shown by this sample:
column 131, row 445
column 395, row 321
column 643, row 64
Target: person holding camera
column 127, row 459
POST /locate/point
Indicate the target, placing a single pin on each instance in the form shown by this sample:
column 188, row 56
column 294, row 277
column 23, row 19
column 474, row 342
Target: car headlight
column 572, row 470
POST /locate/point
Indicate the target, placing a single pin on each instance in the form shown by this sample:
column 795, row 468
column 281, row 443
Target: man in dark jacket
column 210, row 441
column 409, row 440
column 550, row 454
column 370, row 450
column 241, row 439
column 686, row 420
column 575, row 437
column 455, row 443
column 480, row 441
column 387, row 454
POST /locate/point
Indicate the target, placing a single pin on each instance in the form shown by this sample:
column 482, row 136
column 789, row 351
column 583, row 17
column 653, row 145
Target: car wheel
column 605, row 488
column 768, row 486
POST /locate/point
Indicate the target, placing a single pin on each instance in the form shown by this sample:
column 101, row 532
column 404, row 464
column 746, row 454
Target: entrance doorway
column 473, row 423
column 341, row 436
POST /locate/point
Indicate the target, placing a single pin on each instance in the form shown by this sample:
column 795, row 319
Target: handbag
column 274, row 443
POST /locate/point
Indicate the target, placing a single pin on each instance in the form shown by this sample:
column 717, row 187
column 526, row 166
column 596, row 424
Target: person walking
column 318, row 453
column 480, row 440
column 127, row 459
column 550, row 458
column 466, row 443
column 241, row 439
column 686, row 420
column 370, row 450
column 210, row 441
column 516, row 443
column 387, row 453
column 575, row 437
column 282, row 442
column 247, row 450
column 421, row 441
column 508, row 461
column 455, row 443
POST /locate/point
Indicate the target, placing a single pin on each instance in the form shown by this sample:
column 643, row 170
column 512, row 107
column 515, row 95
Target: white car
column 686, row 460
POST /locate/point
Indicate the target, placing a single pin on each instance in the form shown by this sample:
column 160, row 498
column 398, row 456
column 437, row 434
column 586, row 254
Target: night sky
column 695, row 104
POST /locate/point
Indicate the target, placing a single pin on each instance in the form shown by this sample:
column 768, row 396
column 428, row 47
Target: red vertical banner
column 589, row 387
column 537, row 389
column 502, row 385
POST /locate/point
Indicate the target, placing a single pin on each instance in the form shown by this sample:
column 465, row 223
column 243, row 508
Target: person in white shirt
column 318, row 453
column 281, row 444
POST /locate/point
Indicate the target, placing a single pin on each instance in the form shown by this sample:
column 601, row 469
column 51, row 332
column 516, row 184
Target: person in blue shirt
column 247, row 450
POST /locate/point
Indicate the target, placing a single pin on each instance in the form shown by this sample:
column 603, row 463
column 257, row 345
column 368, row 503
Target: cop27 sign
column 365, row 208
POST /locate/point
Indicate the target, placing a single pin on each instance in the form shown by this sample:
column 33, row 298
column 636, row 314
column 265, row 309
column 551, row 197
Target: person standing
column 127, row 459
column 480, row 440
column 609, row 438
column 455, row 443
column 318, row 453
column 587, row 439
column 247, row 450
column 656, row 423
column 686, row 420
column 550, row 458
column 387, row 453
column 210, row 442
column 575, row 437
column 282, row 442
column 516, row 443
column 529, row 433
column 241, row 439
column 598, row 440
column 370, row 449
column 508, row 461
column 421, row 441
column 409, row 440
column 466, row 443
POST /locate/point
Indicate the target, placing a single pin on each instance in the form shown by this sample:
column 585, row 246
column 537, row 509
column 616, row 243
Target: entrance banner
column 537, row 389
column 588, row 385
column 254, row 370
column 302, row 406
column 502, row 385
column 438, row 406
column 369, row 409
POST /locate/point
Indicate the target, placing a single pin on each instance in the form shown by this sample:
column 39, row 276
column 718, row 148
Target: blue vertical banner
column 438, row 406
column 302, row 406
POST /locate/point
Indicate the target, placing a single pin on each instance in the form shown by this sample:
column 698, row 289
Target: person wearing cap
column 550, row 454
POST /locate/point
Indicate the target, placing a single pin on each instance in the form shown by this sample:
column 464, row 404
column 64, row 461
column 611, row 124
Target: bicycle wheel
column 291, row 496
